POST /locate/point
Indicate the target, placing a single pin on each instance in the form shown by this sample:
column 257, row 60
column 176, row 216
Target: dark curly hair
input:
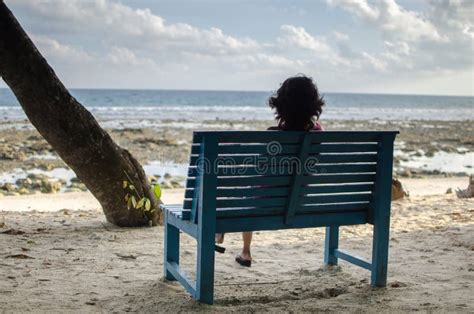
column 297, row 104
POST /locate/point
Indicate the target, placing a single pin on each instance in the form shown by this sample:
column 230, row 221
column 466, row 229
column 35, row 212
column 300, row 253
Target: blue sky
column 375, row 46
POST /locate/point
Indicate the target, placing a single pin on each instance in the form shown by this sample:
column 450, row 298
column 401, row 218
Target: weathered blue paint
column 381, row 211
column 171, row 250
column 331, row 244
column 207, row 225
column 352, row 259
column 233, row 195
column 294, row 197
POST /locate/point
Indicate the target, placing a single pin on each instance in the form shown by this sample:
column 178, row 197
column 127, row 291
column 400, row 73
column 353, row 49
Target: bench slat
column 334, row 198
column 259, row 181
column 268, row 136
column 280, row 211
column 337, row 188
column 238, row 224
column 245, row 192
column 282, row 200
column 290, row 149
column 344, row 148
column 322, row 158
column 285, row 149
column 283, row 191
column 338, row 178
column 223, row 213
column 285, row 170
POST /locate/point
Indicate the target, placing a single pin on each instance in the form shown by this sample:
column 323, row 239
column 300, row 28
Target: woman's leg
column 247, row 237
column 219, row 238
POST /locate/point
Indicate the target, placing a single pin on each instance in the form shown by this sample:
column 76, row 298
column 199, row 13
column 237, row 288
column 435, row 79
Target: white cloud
column 137, row 26
column 60, row 52
column 359, row 7
column 298, row 36
column 440, row 38
column 122, row 45
column 124, row 56
column 391, row 18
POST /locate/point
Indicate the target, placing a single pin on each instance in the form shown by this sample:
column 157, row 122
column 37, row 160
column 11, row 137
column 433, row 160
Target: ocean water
column 129, row 106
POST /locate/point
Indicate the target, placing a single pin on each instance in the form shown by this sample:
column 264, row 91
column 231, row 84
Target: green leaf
column 134, row 201
column 129, row 203
column 131, row 187
column 157, row 191
column 125, row 183
column 147, row 204
column 140, row 203
column 127, row 196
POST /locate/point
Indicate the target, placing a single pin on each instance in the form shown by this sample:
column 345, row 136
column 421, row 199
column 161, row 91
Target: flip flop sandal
column 243, row 262
column 219, row 249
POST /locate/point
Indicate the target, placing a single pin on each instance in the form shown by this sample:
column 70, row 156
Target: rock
column 152, row 179
column 20, row 156
column 449, row 191
column 75, row 180
column 12, row 194
column 166, row 185
column 50, row 186
column 8, row 187
column 46, row 167
column 77, row 187
column 397, row 190
column 25, row 183
column 406, row 173
column 33, row 138
column 70, row 189
column 23, row 191
column 469, row 192
column 175, row 184
column 430, row 153
column 37, row 176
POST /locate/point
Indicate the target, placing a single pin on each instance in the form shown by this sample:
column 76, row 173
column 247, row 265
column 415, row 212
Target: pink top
column 317, row 127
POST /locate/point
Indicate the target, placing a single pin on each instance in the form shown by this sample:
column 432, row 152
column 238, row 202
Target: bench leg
column 171, row 248
column 205, row 269
column 331, row 244
column 380, row 255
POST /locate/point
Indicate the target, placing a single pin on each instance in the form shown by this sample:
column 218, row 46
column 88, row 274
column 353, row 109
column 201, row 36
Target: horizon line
column 255, row 91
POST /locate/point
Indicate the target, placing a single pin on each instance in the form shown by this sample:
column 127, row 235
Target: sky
column 362, row 46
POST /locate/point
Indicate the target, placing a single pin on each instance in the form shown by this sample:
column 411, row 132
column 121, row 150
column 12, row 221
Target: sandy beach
column 59, row 254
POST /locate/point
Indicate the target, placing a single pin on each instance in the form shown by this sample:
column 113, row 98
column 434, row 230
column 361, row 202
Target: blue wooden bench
column 270, row 180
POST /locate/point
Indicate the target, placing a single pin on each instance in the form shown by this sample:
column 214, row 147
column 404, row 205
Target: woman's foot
column 244, row 259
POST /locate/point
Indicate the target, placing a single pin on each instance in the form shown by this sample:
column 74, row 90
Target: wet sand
column 22, row 147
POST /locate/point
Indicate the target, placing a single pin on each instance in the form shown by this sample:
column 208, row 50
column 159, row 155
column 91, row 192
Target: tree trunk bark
column 70, row 129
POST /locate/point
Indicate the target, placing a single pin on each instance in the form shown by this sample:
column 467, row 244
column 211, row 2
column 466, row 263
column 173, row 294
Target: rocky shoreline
column 23, row 148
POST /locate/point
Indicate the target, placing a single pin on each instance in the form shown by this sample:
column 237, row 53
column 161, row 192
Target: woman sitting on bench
column 298, row 106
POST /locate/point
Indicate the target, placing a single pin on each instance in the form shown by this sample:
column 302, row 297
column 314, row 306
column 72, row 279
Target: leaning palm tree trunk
column 70, row 129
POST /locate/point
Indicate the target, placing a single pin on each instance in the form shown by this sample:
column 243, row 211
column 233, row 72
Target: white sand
column 80, row 263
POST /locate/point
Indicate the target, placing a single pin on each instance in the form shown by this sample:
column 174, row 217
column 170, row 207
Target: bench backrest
column 289, row 173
